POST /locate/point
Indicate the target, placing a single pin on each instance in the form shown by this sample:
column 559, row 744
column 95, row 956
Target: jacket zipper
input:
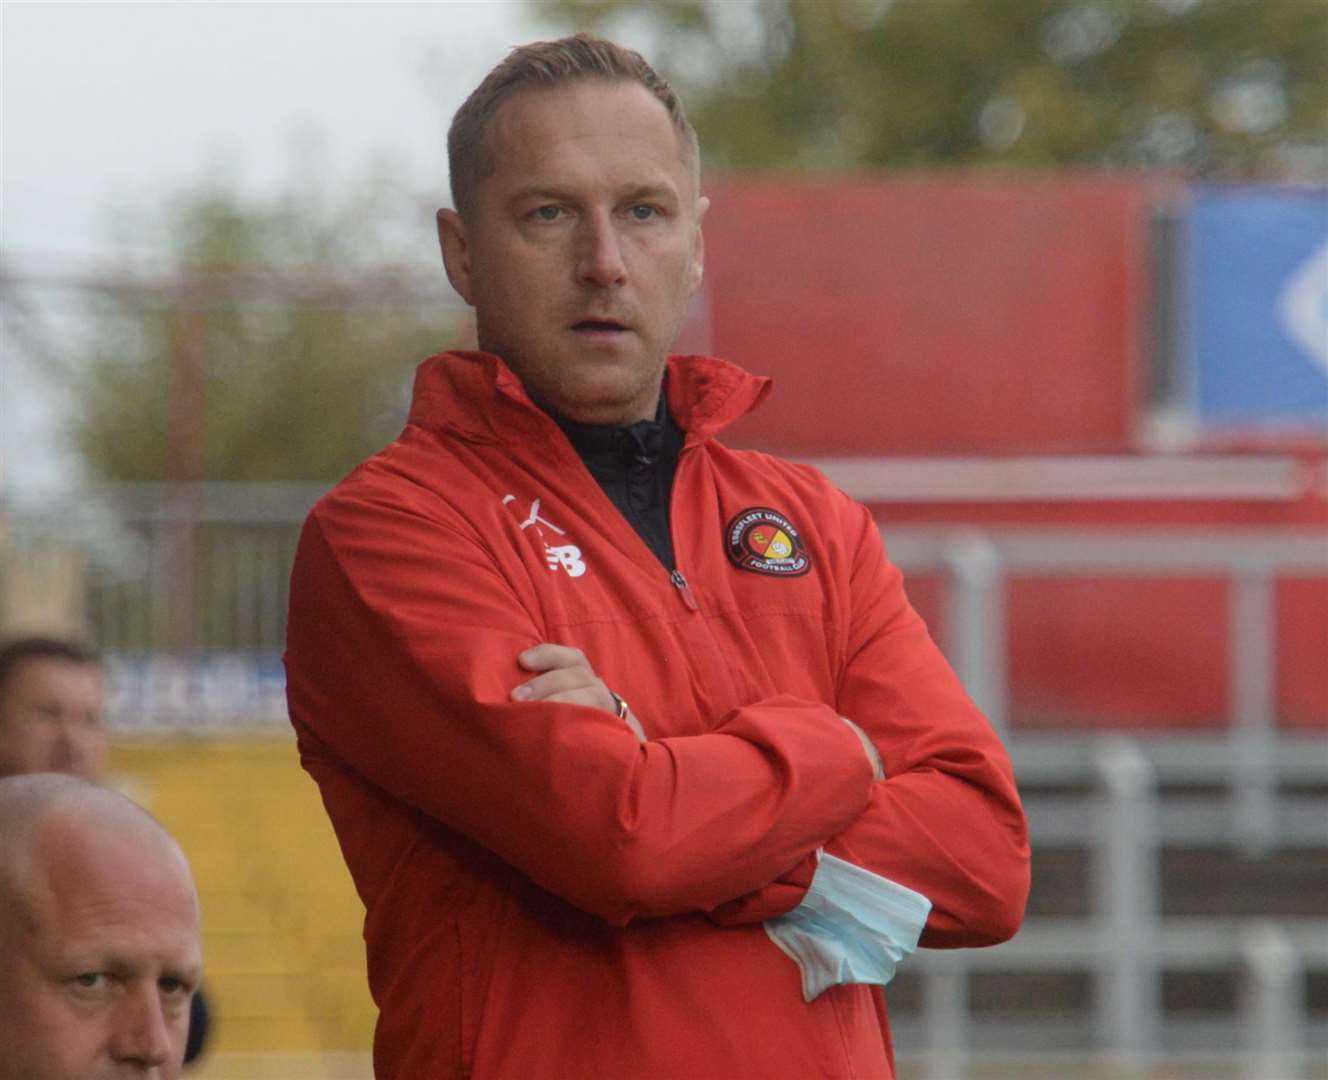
column 680, row 583
column 675, row 575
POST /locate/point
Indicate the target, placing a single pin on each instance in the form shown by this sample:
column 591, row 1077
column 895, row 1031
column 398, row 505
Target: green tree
column 1227, row 88
column 277, row 341
column 232, row 338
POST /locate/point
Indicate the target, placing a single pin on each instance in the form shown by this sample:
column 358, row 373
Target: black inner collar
column 634, row 464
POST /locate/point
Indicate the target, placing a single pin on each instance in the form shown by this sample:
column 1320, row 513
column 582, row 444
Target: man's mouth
column 598, row 326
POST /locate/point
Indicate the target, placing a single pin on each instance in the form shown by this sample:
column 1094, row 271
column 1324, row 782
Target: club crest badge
column 764, row 541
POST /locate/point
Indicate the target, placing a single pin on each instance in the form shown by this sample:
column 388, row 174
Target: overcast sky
column 107, row 104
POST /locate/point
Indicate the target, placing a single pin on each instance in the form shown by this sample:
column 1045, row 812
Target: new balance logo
column 559, row 557
column 568, row 557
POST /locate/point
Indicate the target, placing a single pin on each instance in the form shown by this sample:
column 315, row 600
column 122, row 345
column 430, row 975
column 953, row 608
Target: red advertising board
column 932, row 316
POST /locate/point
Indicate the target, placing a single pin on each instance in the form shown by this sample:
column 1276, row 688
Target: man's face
column 583, row 247
column 50, row 719
column 99, row 962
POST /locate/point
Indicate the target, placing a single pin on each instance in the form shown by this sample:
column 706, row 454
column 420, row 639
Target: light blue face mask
column 853, row 926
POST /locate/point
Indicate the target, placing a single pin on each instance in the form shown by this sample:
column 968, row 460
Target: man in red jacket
column 716, row 880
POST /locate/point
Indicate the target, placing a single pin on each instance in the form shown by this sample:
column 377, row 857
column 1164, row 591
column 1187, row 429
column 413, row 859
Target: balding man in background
column 99, row 935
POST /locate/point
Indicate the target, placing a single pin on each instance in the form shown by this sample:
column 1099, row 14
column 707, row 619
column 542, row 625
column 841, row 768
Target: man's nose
column 599, row 252
column 77, row 748
column 143, row 1032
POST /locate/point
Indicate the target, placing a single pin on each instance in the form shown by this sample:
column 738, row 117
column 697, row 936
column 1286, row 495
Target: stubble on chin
column 601, row 391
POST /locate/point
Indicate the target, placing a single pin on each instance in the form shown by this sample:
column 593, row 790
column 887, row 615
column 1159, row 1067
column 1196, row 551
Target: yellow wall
column 283, row 952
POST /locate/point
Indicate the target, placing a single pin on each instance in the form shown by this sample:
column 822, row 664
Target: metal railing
column 1124, row 943
column 229, row 548
column 226, row 548
column 977, row 566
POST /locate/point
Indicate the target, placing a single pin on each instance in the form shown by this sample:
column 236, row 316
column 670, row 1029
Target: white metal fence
column 978, row 564
column 1129, row 806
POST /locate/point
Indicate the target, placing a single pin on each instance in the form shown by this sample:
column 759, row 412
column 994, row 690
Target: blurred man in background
column 715, row 881
column 99, row 935
column 52, row 695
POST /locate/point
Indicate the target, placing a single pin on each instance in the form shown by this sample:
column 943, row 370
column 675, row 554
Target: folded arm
column 946, row 823
column 402, row 658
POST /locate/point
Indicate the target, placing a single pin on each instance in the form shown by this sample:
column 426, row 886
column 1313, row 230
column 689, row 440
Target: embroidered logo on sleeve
column 557, row 556
column 764, row 541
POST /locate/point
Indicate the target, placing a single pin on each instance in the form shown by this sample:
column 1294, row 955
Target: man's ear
column 456, row 252
column 697, row 270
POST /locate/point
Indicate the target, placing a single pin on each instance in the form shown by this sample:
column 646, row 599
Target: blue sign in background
column 1258, row 338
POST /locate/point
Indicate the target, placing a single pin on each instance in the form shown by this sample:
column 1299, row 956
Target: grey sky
column 109, row 103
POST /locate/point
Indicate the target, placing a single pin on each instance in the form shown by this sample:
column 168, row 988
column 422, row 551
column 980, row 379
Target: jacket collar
column 477, row 397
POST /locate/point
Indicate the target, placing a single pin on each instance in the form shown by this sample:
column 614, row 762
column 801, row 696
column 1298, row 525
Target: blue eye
column 644, row 211
column 548, row 213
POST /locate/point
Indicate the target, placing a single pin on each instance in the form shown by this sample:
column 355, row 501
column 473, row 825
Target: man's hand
column 567, row 677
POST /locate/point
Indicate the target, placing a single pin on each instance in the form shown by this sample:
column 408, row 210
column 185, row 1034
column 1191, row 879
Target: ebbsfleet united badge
column 764, row 541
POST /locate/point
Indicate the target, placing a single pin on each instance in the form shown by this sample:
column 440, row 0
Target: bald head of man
column 99, row 935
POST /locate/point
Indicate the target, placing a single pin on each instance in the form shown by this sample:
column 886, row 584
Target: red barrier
column 1114, row 651
column 933, row 316
column 1127, row 653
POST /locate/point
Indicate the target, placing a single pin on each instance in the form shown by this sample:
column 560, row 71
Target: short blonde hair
column 549, row 64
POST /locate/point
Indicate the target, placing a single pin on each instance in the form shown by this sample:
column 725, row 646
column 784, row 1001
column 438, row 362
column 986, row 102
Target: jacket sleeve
column 947, row 821
column 401, row 654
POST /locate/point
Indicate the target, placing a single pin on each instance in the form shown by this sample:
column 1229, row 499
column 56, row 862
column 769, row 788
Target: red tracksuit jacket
column 548, row 897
